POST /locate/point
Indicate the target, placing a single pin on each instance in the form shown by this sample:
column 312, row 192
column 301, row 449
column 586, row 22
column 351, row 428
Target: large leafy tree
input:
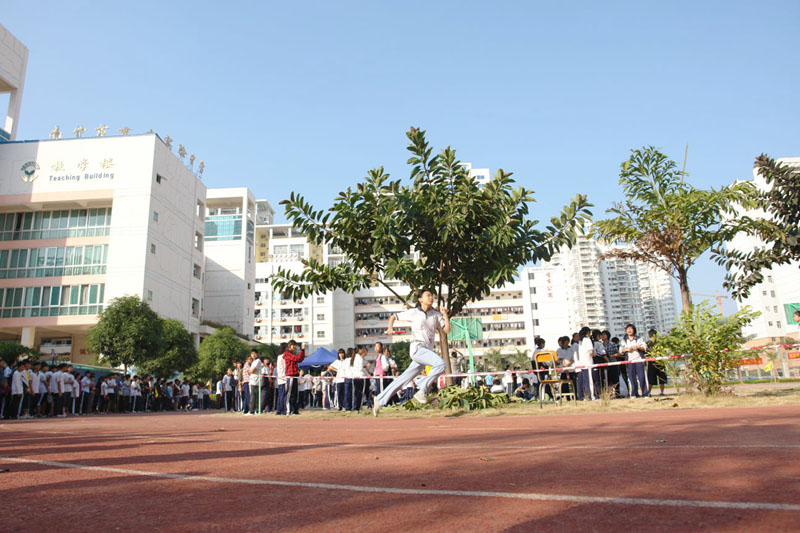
column 127, row 333
column 12, row 351
column 177, row 352
column 444, row 232
column 670, row 222
column 218, row 351
column 778, row 231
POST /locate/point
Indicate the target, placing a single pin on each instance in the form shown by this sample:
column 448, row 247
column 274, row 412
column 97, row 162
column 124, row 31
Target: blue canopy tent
column 321, row 357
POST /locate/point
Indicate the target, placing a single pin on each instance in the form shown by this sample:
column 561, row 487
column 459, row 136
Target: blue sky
column 307, row 96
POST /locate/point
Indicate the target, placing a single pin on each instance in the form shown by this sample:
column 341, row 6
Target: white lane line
column 124, row 436
column 427, row 492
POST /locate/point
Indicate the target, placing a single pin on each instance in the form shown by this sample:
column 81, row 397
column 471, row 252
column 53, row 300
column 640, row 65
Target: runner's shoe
column 420, row 396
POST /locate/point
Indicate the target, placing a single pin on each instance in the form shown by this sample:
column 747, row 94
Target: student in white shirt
column 104, row 393
column 584, row 359
column 66, row 387
column 86, row 389
column 598, row 357
column 227, row 385
column 356, row 370
column 135, row 393
column 507, row 382
column 254, row 384
column 634, row 347
column 220, row 394
column 425, row 321
column 338, row 382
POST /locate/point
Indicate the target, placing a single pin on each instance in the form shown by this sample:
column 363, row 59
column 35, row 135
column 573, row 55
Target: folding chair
column 551, row 378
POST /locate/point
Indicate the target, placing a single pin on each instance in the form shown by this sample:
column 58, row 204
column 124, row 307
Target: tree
column 218, row 351
column 669, row 222
column 177, row 352
column 714, row 344
column 400, row 354
column 268, row 350
column 11, row 351
column 127, row 333
column 779, row 231
column 444, row 232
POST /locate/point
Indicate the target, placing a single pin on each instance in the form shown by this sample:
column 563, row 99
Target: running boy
column 425, row 320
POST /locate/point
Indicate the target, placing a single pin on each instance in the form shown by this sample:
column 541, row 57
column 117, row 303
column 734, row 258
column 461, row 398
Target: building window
column 197, row 271
column 152, row 248
column 779, row 324
column 195, row 307
column 200, row 210
column 534, row 306
column 320, row 317
column 57, row 224
column 772, row 293
column 535, row 321
column 149, row 295
column 533, row 290
column 155, row 216
column 248, row 286
column 770, row 324
column 53, row 300
column 320, row 299
column 198, row 241
column 320, row 334
column 769, row 278
column 531, row 275
column 159, row 178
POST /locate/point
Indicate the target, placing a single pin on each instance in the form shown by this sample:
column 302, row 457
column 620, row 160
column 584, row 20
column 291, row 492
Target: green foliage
column 714, row 342
column 495, row 360
column 400, row 354
column 127, row 333
column 10, row 351
column 470, row 238
column 471, row 398
column 780, row 233
column 670, row 222
column 218, row 351
column 268, row 350
column 177, row 351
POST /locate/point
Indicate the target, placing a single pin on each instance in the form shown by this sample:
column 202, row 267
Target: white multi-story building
column 319, row 320
column 83, row 221
column 230, row 270
column 13, row 66
column 778, row 295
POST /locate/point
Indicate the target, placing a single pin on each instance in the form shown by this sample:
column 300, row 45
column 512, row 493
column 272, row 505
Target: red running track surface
column 731, row 469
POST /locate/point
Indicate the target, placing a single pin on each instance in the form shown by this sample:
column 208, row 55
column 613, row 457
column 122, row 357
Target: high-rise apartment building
column 582, row 289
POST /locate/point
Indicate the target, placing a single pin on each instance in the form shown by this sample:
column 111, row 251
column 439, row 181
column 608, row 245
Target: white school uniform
column 55, row 381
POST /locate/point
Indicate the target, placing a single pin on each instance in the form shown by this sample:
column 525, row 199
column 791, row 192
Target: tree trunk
column 686, row 295
column 445, row 351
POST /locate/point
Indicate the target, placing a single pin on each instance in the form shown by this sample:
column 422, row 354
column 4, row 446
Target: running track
column 734, row 469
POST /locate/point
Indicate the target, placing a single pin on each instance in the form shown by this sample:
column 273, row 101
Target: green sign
column 788, row 308
column 465, row 329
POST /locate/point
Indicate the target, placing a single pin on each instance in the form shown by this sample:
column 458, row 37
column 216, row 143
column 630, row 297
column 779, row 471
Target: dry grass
column 741, row 397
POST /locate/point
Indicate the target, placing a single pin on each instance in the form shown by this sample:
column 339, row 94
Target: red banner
column 794, row 355
column 751, row 361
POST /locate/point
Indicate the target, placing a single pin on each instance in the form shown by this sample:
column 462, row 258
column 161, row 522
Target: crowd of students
column 31, row 389
column 261, row 385
column 592, row 347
